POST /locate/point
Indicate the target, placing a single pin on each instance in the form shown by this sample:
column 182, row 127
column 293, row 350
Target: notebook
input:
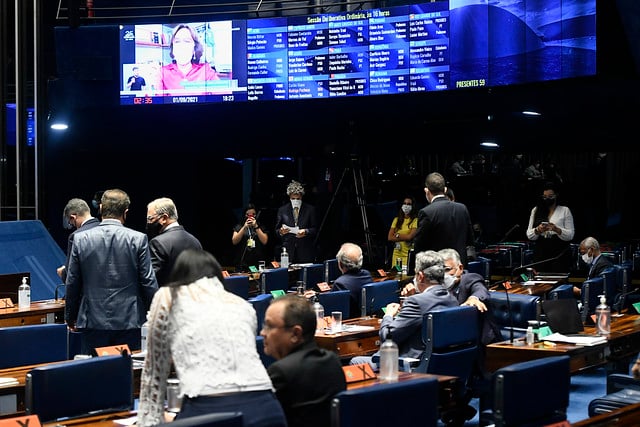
column 562, row 315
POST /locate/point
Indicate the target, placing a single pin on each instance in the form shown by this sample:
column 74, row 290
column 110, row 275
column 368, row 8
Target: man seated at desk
column 404, row 323
column 305, row 376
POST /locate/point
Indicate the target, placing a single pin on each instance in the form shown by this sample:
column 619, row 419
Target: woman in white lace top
column 210, row 335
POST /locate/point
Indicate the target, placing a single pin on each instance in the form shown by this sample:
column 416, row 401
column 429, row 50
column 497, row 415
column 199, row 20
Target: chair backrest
column 521, row 398
column 589, row 296
column 517, row 310
column 480, row 265
column 274, row 279
column 266, row 359
column 562, row 291
column 260, row 304
column 238, row 285
column 377, row 295
column 216, row 419
column 387, row 404
column 331, row 270
column 451, row 337
column 336, row 301
column 611, row 283
column 311, row 275
column 33, row 344
column 102, row 383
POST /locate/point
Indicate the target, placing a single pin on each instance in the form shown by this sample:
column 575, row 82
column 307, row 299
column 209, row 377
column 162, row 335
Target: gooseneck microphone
column 55, row 293
column 508, row 233
column 533, row 264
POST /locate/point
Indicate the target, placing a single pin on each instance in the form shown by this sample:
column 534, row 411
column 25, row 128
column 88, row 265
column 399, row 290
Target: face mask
column 548, row 201
column 449, row 281
column 586, row 258
column 296, row 203
column 153, row 229
column 406, row 209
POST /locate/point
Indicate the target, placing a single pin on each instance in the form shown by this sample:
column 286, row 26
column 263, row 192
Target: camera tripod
column 356, row 173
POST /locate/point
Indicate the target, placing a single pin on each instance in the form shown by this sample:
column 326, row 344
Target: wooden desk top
column 539, row 288
column 626, row 416
column 403, row 376
column 622, row 342
column 36, row 307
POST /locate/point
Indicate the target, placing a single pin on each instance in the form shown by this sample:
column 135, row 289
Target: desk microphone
column 508, row 233
column 533, row 264
column 618, row 303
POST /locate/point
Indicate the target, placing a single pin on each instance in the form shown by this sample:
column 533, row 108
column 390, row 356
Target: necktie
column 295, row 214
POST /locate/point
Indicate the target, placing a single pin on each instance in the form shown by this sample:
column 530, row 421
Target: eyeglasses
column 150, row 217
column 267, row 327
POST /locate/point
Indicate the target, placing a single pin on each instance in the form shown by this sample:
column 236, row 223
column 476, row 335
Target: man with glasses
column 77, row 217
column 305, row 376
column 167, row 238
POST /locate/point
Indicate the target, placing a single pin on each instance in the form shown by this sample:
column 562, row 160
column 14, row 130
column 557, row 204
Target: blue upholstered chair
column 611, row 284
column 33, row 344
column 332, row 272
column 589, row 296
column 311, row 275
column 531, row 393
column 260, row 304
column 102, row 383
column 266, row 359
column 514, row 313
column 377, row 295
column 480, row 265
column 622, row 390
column 216, row 419
column 336, row 301
column 274, row 279
column 562, row 291
column 238, row 285
column 404, row 403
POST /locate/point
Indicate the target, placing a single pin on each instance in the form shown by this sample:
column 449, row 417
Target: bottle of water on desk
column 24, row 294
column 388, row 360
column 319, row 310
column 284, row 258
column 144, row 331
column 603, row 317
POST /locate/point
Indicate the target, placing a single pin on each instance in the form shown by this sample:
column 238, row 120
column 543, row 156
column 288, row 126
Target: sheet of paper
column 292, row 230
column 576, row 339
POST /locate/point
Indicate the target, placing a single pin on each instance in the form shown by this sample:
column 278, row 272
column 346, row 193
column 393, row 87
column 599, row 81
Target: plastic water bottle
column 388, row 360
column 319, row 310
column 603, row 317
column 24, row 294
column 144, row 332
column 530, row 337
column 284, row 258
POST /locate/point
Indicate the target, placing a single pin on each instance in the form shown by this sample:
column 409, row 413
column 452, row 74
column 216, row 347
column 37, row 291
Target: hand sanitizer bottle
column 389, row 360
column 24, row 294
column 284, row 258
column 603, row 317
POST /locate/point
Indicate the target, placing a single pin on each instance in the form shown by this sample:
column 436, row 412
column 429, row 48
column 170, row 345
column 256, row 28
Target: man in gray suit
column 110, row 282
column 443, row 223
column 76, row 215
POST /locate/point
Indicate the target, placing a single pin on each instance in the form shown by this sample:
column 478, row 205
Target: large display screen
column 436, row 46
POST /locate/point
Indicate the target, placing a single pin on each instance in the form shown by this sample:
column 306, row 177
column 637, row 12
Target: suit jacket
column 472, row 284
column 166, row 247
column 110, row 282
column 406, row 328
column 444, row 224
column 300, row 250
column 601, row 264
column 88, row 224
column 353, row 281
column 305, row 382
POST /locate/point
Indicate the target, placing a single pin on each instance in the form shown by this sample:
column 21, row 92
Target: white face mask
column 586, row 258
column 449, row 281
column 296, row 203
column 406, row 209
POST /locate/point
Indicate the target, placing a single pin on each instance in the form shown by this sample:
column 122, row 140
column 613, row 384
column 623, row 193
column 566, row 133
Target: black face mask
column 548, row 201
column 153, row 229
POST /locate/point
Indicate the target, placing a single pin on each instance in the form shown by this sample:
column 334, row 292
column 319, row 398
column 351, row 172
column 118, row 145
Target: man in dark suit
column 296, row 224
column 305, row 376
column 353, row 277
column 110, row 282
column 594, row 260
column 76, row 215
column 443, row 223
column 167, row 238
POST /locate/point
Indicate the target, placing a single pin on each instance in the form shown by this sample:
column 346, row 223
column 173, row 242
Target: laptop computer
column 562, row 315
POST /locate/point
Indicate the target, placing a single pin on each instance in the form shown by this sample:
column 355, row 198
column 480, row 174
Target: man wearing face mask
column 592, row 257
column 404, row 323
column 167, row 238
column 551, row 228
column 296, row 224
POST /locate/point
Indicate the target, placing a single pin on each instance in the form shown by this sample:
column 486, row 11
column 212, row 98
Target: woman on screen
column 185, row 71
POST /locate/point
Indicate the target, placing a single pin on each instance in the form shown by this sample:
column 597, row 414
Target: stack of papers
column 576, row 339
column 8, row 381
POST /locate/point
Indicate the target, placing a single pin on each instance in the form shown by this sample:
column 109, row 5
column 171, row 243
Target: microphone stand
column 511, row 230
column 533, row 264
column 618, row 304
